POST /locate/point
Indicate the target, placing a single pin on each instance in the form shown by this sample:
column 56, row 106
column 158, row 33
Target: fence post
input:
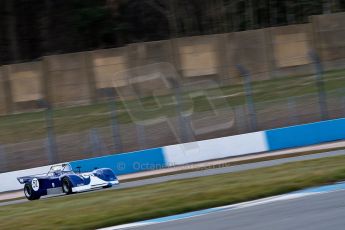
column 240, row 124
column 51, row 135
column 320, row 85
column 292, row 110
column 184, row 132
column 249, row 96
column 114, row 125
column 95, row 142
column 141, row 135
column 52, row 147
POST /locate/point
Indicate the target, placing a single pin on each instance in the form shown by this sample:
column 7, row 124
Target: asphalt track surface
column 316, row 212
column 207, row 172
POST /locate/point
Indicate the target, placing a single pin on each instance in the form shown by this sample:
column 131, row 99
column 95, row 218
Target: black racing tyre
column 29, row 193
column 66, row 186
column 107, row 186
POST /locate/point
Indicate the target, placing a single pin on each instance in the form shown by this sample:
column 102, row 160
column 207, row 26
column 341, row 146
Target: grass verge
column 112, row 207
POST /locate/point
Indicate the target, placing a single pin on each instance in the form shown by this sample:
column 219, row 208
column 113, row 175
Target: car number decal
column 35, row 184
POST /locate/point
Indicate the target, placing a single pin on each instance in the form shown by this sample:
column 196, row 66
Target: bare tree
column 12, row 29
column 326, row 5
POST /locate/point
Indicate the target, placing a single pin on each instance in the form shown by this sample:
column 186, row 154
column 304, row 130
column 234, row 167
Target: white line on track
column 289, row 196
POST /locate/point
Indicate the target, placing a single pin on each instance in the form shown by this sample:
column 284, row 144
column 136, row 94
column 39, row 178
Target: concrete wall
column 249, row 49
column 68, row 80
column 9, row 180
column 145, row 61
column 186, row 153
column 125, row 163
column 218, row 148
column 308, row 134
column 26, row 84
column 290, row 47
column 105, row 65
column 81, row 78
column 329, row 34
column 5, row 92
column 140, row 54
column 199, row 56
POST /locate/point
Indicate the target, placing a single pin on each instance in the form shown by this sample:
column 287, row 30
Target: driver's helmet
column 57, row 173
column 66, row 168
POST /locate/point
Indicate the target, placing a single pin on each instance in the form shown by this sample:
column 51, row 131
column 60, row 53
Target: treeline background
column 30, row 29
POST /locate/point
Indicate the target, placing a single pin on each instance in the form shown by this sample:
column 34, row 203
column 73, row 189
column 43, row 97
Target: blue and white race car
column 61, row 179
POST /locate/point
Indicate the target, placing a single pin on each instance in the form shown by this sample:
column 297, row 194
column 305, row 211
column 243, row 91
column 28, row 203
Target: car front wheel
column 29, row 193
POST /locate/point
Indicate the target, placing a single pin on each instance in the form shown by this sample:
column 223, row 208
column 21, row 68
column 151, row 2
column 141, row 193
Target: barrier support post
column 52, row 147
column 320, row 85
column 249, row 96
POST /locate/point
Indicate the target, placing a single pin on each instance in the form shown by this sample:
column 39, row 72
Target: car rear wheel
column 29, row 193
column 66, row 186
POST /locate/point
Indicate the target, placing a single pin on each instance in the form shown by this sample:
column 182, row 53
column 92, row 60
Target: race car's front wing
column 95, row 183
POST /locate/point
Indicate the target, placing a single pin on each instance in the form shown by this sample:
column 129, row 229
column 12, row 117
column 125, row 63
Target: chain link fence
column 99, row 141
column 157, row 108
